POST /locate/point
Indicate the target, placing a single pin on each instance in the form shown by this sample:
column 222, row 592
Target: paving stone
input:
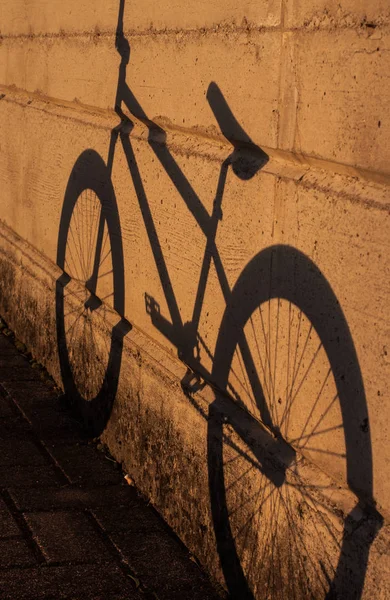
column 135, row 517
column 18, row 373
column 32, row 394
column 42, row 408
column 50, row 423
column 86, row 582
column 15, row 552
column 14, row 452
column 8, row 525
column 83, row 464
column 173, row 576
column 67, row 537
column 14, row 427
column 7, row 409
column 28, row 476
column 27, row 499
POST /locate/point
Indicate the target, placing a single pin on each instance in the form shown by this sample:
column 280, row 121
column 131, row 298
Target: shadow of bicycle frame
column 277, row 272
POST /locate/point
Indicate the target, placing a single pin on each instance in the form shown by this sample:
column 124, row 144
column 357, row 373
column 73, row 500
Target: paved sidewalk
column 70, row 526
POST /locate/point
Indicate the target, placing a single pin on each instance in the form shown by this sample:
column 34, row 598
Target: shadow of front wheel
column 285, row 355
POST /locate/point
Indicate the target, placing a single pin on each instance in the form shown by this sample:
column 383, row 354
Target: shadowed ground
column 70, row 526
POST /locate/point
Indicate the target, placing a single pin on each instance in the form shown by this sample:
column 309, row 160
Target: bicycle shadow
column 280, row 273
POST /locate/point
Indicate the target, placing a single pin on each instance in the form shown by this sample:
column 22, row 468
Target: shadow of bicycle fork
column 263, row 450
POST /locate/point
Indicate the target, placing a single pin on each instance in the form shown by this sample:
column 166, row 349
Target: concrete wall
column 253, row 177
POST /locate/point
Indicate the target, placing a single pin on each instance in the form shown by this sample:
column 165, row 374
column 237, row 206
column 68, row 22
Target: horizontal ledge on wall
column 312, row 25
column 361, row 185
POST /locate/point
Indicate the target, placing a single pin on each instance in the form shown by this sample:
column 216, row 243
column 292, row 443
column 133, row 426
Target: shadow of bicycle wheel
column 90, row 293
column 286, row 360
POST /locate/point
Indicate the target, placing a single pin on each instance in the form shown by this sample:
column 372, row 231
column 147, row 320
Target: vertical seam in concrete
column 288, row 92
column 280, row 70
column 282, row 29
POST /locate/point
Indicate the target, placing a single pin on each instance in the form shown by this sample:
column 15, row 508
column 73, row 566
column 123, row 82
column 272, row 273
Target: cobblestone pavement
column 70, row 526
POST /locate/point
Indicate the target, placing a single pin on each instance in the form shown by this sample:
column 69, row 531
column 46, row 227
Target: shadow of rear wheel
column 90, row 293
